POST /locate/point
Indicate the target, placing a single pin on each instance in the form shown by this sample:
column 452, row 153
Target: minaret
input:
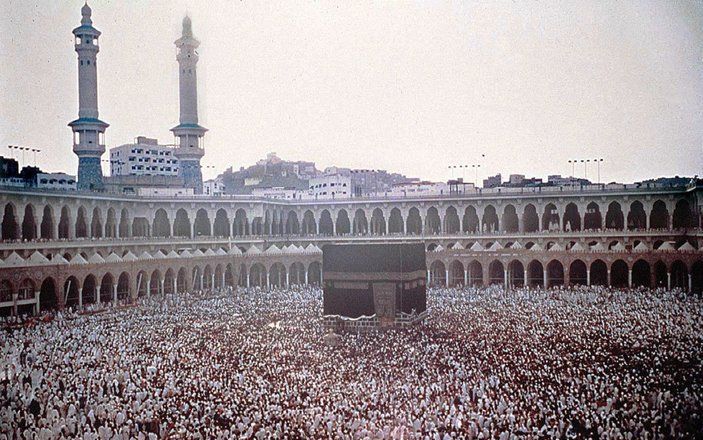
column 88, row 130
column 189, row 149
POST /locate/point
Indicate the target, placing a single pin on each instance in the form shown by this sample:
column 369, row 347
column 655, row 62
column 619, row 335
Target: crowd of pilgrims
column 580, row 363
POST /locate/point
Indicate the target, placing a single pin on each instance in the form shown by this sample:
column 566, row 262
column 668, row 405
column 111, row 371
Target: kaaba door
column 384, row 303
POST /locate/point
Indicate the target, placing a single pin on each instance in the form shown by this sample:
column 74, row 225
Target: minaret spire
column 189, row 133
column 88, row 130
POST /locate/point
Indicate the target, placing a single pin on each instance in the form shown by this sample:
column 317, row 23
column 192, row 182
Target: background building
column 145, row 157
column 330, row 186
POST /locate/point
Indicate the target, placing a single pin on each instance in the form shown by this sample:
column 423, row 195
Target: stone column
column 668, row 280
column 55, row 230
column 248, row 284
column 14, row 303
column 690, row 282
column 114, row 293
column 212, row 281
column 629, row 275
column 37, row 297
column 287, row 278
column 306, row 276
column 446, row 277
column 609, row 284
column 466, row 277
column 175, row 284
column 429, row 277
column 162, row 282
column 544, row 278
column 223, row 278
column 268, row 280
column 98, row 294
column 201, row 280
column 588, row 277
column 525, row 283
column 80, row 298
column 506, row 279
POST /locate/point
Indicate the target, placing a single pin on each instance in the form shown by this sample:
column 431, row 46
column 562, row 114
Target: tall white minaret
column 88, row 130
column 189, row 133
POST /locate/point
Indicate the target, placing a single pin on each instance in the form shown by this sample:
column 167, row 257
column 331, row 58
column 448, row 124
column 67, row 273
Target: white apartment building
column 213, row 187
column 278, row 193
column 330, row 186
column 145, row 157
column 60, row 181
column 419, row 189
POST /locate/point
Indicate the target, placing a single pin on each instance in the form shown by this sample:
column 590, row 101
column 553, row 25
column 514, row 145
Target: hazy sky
column 404, row 86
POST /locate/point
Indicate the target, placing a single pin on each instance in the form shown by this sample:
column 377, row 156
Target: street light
column 598, row 161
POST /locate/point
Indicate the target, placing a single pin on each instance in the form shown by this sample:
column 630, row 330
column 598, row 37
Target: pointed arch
column 535, row 274
column 530, row 219
column 96, row 224
column 162, row 224
column 292, row 223
column 490, row 220
column 106, row 284
column 48, row 297
column 438, row 273
column 578, row 273
column 378, row 222
column 572, row 218
column 614, row 218
column 10, row 228
column 516, row 274
column 395, row 222
column 181, row 224
column 683, row 217
column 140, row 227
column 220, row 228
column 326, row 224
column 456, row 273
column 201, row 226
column 47, row 223
column 111, row 223
column 510, row 221
column 81, row 223
column 452, row 224
column 414, row 222
column 659, row 216
column 360, row 225
column 309, row 223
column 592, row 219
column 619, row 274
column 470, row 220
column 124, row 223
column 343, row 225
column 641, row 274
column 636, row 218
column 555, row 273
column 241, row 223
column 550, row 218
column 496, row 273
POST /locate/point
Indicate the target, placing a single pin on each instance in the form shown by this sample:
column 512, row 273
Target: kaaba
column 378, row 284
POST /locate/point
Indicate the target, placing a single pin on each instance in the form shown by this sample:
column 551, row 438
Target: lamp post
column 476, row 167
column 23, row 150
column 598, row 161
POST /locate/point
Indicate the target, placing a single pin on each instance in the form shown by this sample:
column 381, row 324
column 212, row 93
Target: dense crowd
column 587, row 363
